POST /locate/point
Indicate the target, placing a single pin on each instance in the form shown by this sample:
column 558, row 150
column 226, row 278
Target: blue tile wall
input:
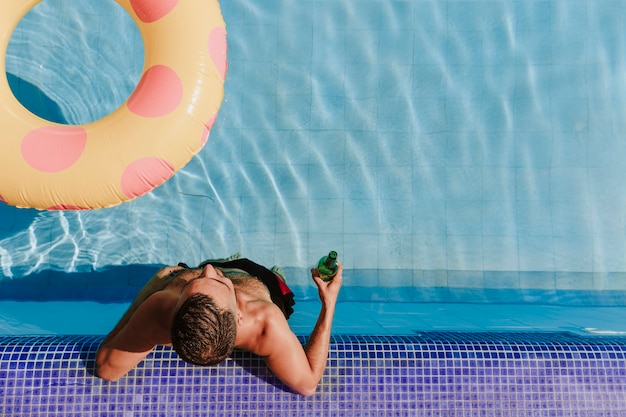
column 121, row 284
column 425, row 374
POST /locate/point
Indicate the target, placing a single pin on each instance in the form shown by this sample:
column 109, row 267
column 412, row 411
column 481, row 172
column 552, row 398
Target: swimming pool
column 440, row 147
column 451, row 152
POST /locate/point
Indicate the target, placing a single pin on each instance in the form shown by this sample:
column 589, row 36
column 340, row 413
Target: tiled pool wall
column 121, row 284
column 424, row 374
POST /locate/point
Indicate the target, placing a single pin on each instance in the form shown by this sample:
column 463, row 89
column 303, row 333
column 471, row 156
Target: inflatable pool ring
column 162, row 125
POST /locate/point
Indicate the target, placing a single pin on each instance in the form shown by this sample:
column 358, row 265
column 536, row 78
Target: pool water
column 444, row 149
column 464, row 158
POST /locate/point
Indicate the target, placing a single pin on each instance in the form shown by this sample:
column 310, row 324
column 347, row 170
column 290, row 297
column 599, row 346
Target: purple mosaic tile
column 427, row 374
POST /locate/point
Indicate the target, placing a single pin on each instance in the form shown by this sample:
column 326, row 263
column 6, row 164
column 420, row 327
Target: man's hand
column 328, row 290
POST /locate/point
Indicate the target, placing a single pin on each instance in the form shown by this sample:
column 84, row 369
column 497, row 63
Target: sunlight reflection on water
column 86, row 58
column 451, row 139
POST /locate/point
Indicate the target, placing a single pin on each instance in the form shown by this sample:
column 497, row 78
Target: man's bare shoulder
column 155, row 316
column 160, row 302
column 273, row 328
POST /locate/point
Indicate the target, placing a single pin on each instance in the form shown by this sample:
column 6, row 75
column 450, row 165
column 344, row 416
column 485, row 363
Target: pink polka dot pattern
column 218, row 49
column 207, row 129
column 53, row 148
column 152, row 10
column 143, row 175
column 159, row 92
column 67, row 207
column 166, row 120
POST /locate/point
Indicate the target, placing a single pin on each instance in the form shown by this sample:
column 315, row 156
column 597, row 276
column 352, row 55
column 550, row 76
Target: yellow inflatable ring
column 162, row 125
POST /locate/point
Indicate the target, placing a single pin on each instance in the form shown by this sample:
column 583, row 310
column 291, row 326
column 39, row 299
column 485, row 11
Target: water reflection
column 85, row 57
column 444, row 138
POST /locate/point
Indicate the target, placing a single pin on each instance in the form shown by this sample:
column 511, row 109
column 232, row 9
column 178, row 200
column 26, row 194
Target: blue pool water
column 465, row 158
column 446, row 150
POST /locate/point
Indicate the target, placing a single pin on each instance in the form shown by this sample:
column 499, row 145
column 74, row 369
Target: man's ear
column 239, row 318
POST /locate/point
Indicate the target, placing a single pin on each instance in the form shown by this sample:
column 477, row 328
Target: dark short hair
column 202, row 333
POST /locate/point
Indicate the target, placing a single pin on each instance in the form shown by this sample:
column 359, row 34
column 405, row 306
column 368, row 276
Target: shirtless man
column 206, row 312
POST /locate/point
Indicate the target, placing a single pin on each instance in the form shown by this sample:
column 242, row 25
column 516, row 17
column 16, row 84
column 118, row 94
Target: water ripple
column 440, row 135
column 75, row 47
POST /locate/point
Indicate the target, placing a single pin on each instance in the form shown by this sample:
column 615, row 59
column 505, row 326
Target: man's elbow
column 306, row 389
column 307, row 392
column 104, row 370
column 106, row 373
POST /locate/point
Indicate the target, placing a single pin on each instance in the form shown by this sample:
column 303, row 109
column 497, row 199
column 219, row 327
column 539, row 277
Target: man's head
column 204, row 325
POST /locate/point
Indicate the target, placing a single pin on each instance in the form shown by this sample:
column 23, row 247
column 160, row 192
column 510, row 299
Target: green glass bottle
column 327, row 266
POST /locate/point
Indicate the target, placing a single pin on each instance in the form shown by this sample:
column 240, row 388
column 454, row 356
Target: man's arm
column 302, row 368
column 156, row 283
column 127, row 344
column 145, row 329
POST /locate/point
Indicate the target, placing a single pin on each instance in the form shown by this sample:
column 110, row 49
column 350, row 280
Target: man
column 206, row 312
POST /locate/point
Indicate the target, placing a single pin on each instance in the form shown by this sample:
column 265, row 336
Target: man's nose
column 209, row 270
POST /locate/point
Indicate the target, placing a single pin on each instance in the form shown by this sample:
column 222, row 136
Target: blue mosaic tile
column 429, row 373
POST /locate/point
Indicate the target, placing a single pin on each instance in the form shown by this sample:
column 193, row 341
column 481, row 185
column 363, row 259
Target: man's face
column 213, row 283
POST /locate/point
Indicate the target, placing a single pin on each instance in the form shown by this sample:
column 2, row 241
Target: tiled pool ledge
column 424, row 374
